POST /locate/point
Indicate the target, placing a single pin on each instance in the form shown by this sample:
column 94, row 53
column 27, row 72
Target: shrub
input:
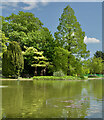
column 58, row 73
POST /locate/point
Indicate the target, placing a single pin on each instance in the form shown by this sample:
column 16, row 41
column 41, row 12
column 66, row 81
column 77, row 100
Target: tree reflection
column 50, row 99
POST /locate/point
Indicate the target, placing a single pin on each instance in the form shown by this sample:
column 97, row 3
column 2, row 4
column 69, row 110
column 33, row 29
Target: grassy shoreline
column 52, row 78
column 55, row 78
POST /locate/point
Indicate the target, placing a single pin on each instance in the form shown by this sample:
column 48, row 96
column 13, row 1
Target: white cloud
column 30, row 6
column 34, row 3
column 91, row 40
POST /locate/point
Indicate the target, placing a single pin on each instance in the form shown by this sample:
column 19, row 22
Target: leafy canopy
column 26, row 29
column 35, row 58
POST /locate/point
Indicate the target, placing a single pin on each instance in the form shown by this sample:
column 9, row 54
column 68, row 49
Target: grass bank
column 55, row 78
column 58, row 78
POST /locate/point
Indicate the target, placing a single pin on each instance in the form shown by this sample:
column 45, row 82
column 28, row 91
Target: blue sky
column 89, row 15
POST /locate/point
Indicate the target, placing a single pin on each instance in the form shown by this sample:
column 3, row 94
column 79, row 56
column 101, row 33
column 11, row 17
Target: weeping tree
column 12, row 62
column 70, row 36
column 35, row 59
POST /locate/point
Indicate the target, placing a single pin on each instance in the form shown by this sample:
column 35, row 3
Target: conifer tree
column 35, row 59
column 70, row 35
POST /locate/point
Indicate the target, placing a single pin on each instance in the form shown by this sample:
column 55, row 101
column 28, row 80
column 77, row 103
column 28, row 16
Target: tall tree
column 12, row 62
column 70, row 35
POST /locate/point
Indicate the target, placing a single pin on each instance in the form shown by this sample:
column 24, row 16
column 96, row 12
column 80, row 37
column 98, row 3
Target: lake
column 52, row 99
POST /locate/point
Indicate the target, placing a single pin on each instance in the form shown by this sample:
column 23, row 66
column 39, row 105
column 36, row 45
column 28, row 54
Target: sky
column 88, row 14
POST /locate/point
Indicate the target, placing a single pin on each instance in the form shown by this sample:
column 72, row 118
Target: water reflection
column 52, row 99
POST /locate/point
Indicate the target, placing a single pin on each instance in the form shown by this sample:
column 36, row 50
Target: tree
column 95, row 65
column 26, row 29
column 81, row 67
column 35, row 59
column 22, row 28
column 60, row 60
column 12, row 62
column 70, row 35
column 99, row 54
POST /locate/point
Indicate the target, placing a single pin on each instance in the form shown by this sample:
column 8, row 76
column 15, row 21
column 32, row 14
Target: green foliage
column 95, row 65
column 3, row 41
column 48, row 45
column 21, row 27
column 70, row 35
column 12, row 62
column 99, row 54
column 40, row 49
column 76, row 66
column 34, row 58
column 58, row 73
column 60, row 59
column 81, row 67
column 27, row 29
column 59, row 78
column 53, row 78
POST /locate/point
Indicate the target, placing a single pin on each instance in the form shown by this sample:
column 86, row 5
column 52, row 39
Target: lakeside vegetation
column 55, row 78
column 86, row 77
column 29, row 49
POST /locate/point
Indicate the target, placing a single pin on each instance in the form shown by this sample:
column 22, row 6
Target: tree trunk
column 44, row 71
column 35, row 73
column 68, row 71
column 41, row 72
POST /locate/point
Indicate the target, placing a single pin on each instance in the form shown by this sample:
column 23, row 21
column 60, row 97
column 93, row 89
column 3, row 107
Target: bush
column 58, row 73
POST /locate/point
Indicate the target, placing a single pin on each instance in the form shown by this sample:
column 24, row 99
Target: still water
column 52, row 99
